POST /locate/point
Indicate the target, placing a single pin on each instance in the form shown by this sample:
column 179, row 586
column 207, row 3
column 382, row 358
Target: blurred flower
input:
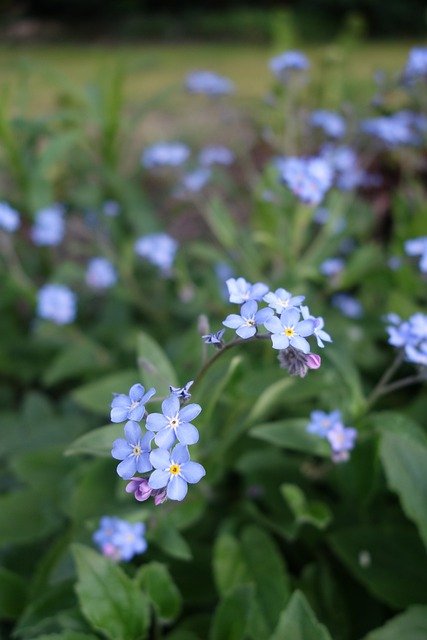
column 332, row 123
column 111, row 208
column 119, row 539
column 332, row 266
column 344, row 162
column 240, row 290
column 216, row 154
column 182, row 392
column 288, row 330
column 56, row 302
column 159, row 249
column 416, row 65
column 418, row 247
column 100, row 274
column 9, row 218
column 196, row 180
column 282, row 299
column 49, row 226
column 132, row 406
column 395, row 130
column 246, row 323
column 347, row 304
column 287, row 62
column 214, row 338
column 342, row 440
column 309, row 179
column 174, row 423
column 410, row 335
column 208, row 83
column 165, row 154
column 133, row 451
column 173, row 471
column 321, row 422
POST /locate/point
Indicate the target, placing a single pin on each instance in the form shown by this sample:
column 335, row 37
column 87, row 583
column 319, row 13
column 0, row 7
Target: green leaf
column 410, row 625
column 13, row 594
column 97, row 442
column 154, row 366
column 349, row 375
column 77, row 359
column 228, row 565
column 292, row 434
column 298, row 622
column 396, row 571
column 25, row 517
column 405, row 464
column 97, row 396
column 311, row 512
column 268, row 573
column 394, row 422
column 161, row 589
column 66, row 635
column 232, row 615
column 112, row 603
column 266, row 401
column 221, row 223
column 168, row 538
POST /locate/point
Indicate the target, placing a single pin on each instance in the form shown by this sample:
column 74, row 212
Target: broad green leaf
column 395, row 571
column 292, row 434
column 268, row 573
column 25, row 517
column 168, row 538
column 112, row 603
column 97, row 442
column 231, row 618
column 92, row 492
column 77, row 359
column 349, row 376
column 306, row 511
column 96, row 396
column 298, row 622
column 66, row 635
column 405, row 464
column 394, row 422
column 221, row 223
column 228, row 565
column 154, row 366
column 13, row 594
column 266, row 402
column 161, row 589
column 410, row 625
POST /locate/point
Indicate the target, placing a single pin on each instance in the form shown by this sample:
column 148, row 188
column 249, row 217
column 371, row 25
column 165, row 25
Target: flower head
column 342, row 440
column 119, row 539
column 132, row 406
column 348, row 305
column 332, row 266
column 174, row 423
column 411, row 336
column 240, row 290
column 216, row 154
column 111, row 208
column 282, row 299
column 320, row 335
column 165, row 154
column 247, row 322
column 298, row 363
column 133, row 450
column 196, row 180
column 214, row 338
column 284, row 64
column 49, row 226
column 9, row 218
column 100, row 274
column 159, row 249
column 332, row 123
column 321, row 422
column 309, row 179
column 288, row 330
column 182, row 392
column 56, row 302
column 208, row 83
column 173, row 470
column 416, row 65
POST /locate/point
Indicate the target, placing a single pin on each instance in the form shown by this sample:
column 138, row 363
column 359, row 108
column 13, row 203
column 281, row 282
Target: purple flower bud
column 140, row 488
column 313, row 360
column 159, row 496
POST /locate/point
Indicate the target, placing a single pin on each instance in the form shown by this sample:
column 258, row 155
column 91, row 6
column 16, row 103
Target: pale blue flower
column 240, row 290
column 111, row 208
column 342, row 440
column 173, row 471
column 395, row 130
column 309, row 179
column 249, row 319
column 216, row 154
column 288, row 330
column 133, row 451
column 132, row 406
column 332, row 267
column 57, row 303
column 321, row 422
column 214, row 338
column 174, row 423
column 119, row 539
column 410, row 335
column 418, row 247
column 208, row 83
column 332, row 123
column 9, row 218
column 100, row 274
column 320, row 335
column 159, row 249
column 416, row 65
column 287, row 62
column 282, row 299
column 165, row 154
column 49, row 226
column 345, row 164
column 348, row 305
column 196, row 180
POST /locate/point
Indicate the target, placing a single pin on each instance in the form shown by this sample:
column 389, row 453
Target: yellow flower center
column 137, row 450
column 289, row 332
column 174, row 469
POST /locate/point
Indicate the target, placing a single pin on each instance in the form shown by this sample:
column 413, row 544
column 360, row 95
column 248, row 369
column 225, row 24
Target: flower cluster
column 332, row 123
column 401, row 128
column 284, row 64
column 410, row 336
column 169, row 465
column 119, row 539
column 308, row 178
column 208, row 83
column 330, row 426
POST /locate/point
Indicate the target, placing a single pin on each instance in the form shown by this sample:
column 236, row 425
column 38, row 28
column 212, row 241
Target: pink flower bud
column 313, row 361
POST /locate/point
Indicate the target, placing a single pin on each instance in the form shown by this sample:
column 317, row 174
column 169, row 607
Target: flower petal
column 249, row 309
column 300, row 343
column 263, row 315
column 305, row 328
column 120, row 400
column 143, row 463
column 192, row 472
column 160, row 459
column 290, row 317
column 133, row 432
column 158, row 479
column 136, row 392
column 121, row 449
column 149, row 394
column 280, row 341
column 119, row 414
column 180, row 454
column 127, row 468
column 137, row 413
column 165, row 438
column 246, row 331
column 187, row 433
column 274, row 325
column 156, row 421
column 177, row 488
column 233, row 321
column 170, row 406
column 188, row 413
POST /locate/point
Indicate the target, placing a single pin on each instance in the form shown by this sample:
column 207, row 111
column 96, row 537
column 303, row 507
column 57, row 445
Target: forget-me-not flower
column 410, row 335
column 282, row 299
column 165, row 154
column 174, row 470
column 240, row 290
column 56, row 302
column 214, row 338
column 320, row 335
column 216, row 154
column 174, row 423
column 9, row 218
column 49, row 226
column 332, row 266
column 321, row 422
column 132, row 406
column 196, row 180
column 100, row 274
column 288, row 330
column 416, row 65
column 182, row 393
column 159, row 249
column 133, row 451
column 332, row 123
column 287, row 62
column 247, row 322
column 342, row 440
column 208, row 83
column 348, row 305
column 119, row 539
column 111, row 208
column 418, row 247
column 309, row 179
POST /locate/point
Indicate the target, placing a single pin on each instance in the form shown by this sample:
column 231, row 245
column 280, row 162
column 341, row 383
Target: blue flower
column 416, row 65
column 9, row 218
column 119, row 539
column 196, row 180
column 321, row 422
column 288, row 61
column 319, row 323
column 332, row 266
column 344, row 162
column 246, row 323
column 348, row 305
column 418, row 247
column 111, row 208
column 214, row 338
column 240, row 290
column 49, row 226
column 100, row 274
column 159, row 249
column 173, row 471
column 309, row 179
column 208, row 83
column 134, row 451
column 332, row 123
column 165, row 154
column 282, row 299
column 411, row 336
column 395, row 130
column 182, row 392
column 216, row 154
column 174, row 423
column 342, row 440
column 56, row 302
column 132, row 406
column 289, row 331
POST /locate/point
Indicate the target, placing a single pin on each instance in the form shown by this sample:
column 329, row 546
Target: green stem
column 400, row 384
column 382, row 383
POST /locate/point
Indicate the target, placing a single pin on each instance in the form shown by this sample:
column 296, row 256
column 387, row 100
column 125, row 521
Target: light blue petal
column 263, row 315
column 120, row 449
column 187, row 433
column 160, row 459
column 290, row 317
column 159, row 479
column 165, row 438
column 137, row 413
column 170, row 406
column 177, row 488
column 305, row 328
column 192, row 472
column 188, row 413
column 150, row 393
column 143, row 463
column 258, row 290
column 274, row 325
column 280, row 341
column 133, row 432
column 300, row 343
column 233, row 321
column 180, row 454
column 120, row 400
column 136, row 392
column 246, row 332
column 119, row 414
column 156, row 421
column 146, row 441
column 127, row 468
column 249, row 309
